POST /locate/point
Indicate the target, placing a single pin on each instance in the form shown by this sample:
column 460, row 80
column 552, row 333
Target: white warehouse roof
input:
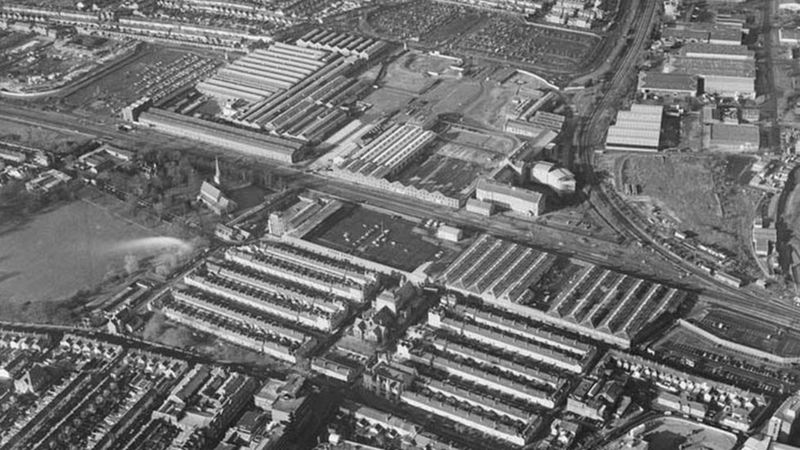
column 638, row 129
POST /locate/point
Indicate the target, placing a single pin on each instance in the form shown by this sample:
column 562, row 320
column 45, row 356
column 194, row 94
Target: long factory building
column 721, row 75
column 636, row 130
column 717, row 51
column 389, row 153
column 262, row 73
column 292, row 91
column 310, row 109
column 375, row 163
column 343, row 43
column 244, row 141
column 593, row 301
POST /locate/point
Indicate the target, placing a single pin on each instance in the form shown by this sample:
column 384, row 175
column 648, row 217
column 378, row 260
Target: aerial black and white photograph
column 399, row 224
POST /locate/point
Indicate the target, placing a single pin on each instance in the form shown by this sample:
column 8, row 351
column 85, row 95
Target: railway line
column 625, row 220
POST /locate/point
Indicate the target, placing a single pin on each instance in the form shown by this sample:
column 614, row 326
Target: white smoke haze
column 151, row 246
column 131, row 263
column 164, row 253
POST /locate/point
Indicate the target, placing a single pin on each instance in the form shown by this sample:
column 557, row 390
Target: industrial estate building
column 389, row 153
column 261, row 73
column 789, row 36
column 515, row 199
column 379, row 162
column 708, row 33
column 225, row 136
column 310, row 109
column 735, row 137
column 662, row 84
column 728, row 77
column 342, row 43
column 597, row 302
column 717, row 51
column 636, row 130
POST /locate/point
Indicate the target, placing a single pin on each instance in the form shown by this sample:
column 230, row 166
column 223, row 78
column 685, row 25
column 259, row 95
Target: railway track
column 628, row 222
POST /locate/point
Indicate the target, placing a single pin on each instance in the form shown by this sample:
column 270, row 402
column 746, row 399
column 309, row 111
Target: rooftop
column 714, row 67
column 724, row 132
column 668, row 81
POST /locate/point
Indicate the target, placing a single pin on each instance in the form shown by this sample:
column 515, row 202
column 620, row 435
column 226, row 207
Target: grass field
column 52, row 255
column 358, row 231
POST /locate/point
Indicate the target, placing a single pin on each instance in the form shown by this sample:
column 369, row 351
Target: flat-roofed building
column 720, row 76
column 709, row 33
column 719, row 51
column 738, row 138
column 516, row 199
column 789, row 5
column 789, row 36
column 479, row 207
column 658, row 83
column 225, row 136
column 636, row 130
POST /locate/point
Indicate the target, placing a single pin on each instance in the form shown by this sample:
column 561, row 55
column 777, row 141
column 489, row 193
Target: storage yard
column 686, row 347
column 30, row 64
column 154, row 72
column 481, row 33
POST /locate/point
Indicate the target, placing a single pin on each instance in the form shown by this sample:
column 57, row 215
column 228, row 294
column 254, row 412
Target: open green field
column 53, row 255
